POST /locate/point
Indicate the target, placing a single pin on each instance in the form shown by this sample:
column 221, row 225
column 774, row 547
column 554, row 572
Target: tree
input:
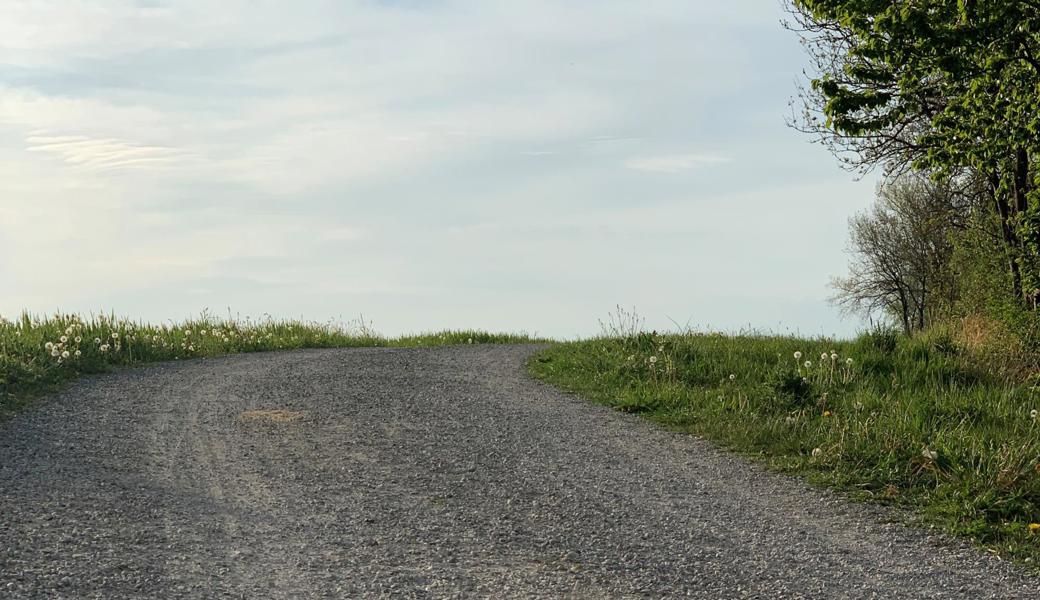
column 901, row 251
column 948, row 87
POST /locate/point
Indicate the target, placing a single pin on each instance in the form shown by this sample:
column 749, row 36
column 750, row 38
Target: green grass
column 907, row 421
column 39, row 355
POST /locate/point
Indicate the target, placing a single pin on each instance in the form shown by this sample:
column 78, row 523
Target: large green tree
column 946, row 86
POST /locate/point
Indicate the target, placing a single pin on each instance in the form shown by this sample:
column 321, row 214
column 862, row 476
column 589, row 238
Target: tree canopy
column 936, row 85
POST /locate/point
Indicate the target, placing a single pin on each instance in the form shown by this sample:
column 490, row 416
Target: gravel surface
column 421, row 473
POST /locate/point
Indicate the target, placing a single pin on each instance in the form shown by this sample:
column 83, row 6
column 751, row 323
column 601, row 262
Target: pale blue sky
column 506, row 165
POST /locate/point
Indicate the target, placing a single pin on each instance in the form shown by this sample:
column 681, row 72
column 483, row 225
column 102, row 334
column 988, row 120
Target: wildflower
column 115, row 335
column 848, row 361
column 68, row 330
column 732, row 376
column 653, row 359
column 104, row 347
column 808, row 364
column 929, row 454
column 826, row 413
column 55, row 352
column 798, row 355
column 65, row 354
column 64, row 339
column 470, row 341
column 79, row 339
column 79, row 353
column 48, row 345
column 1033, row 414
column 203, row 332
column 823, row 357
column 97, row 340
column 817, row 452
column 790, row 420
column 834, row 355
column 1034, row 527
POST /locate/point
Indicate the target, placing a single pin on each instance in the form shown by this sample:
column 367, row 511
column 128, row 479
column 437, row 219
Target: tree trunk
column 1007, row 233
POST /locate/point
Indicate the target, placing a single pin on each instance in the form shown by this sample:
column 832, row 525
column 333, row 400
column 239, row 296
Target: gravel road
column 421, row 473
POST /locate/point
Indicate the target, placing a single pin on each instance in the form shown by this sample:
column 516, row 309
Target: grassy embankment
column 912, row 422
column 38, row 355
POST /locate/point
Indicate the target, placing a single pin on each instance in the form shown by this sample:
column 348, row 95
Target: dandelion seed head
column 823, row 357
column 64, row 339
column 817, row 452
column 65, row 354
column 834, row 356
column 808, row 364
column 732, row 376
column 798, row 355
column 115, row 335
column 848, row 361
column 1033, row 414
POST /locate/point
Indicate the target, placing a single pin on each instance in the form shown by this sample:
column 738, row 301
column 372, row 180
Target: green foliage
column 945, row 87
column 910, row 421
column 37, row 354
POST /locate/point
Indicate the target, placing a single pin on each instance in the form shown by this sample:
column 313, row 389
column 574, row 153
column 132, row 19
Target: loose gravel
column 421, row 473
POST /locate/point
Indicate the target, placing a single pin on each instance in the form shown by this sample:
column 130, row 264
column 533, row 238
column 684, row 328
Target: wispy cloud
column 675, row 163
column 104, row 154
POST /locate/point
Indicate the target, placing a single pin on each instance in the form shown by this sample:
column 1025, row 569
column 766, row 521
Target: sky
column 507, row 165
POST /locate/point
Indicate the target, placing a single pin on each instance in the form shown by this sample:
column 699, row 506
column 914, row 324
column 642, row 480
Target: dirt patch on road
column 276, row 415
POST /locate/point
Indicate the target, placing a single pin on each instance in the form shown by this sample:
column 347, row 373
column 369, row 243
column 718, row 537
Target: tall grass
column 902, row 421
column 39, row 353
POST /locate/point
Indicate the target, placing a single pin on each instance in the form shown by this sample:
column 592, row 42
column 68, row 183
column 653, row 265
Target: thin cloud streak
column 104, row 154
column 675, row 163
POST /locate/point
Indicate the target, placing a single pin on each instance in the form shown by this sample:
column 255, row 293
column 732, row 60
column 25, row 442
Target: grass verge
column 38, row 355
column 908, row 422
